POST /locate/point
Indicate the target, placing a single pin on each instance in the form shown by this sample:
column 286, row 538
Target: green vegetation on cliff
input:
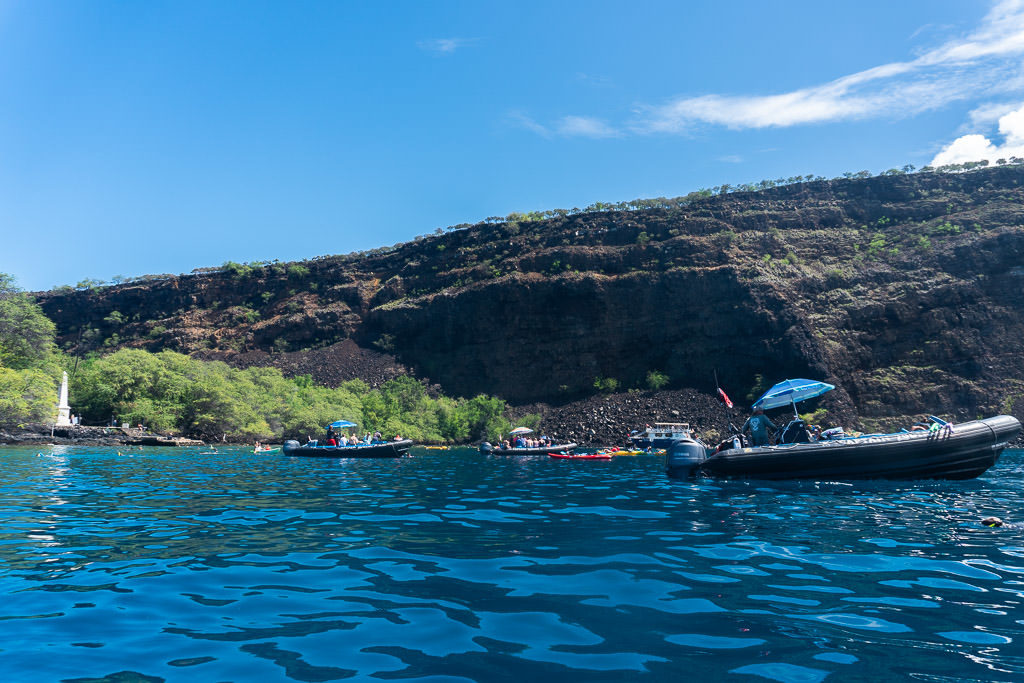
column 29, row 372
column 173, row 393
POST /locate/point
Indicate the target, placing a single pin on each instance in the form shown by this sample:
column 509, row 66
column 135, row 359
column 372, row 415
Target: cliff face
column 904, row 291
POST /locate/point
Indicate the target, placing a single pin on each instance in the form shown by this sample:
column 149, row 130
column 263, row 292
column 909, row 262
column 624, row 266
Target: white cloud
column 523, row 121
column 584, row 126
column 598, row 81
column 1012, row 127
column 444, row 46
column 986, row 61
column 976, row 147
column 965, row 148
column 990, row 113
column 568, row 126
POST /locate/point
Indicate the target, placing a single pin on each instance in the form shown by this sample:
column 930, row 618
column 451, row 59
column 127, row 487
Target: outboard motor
column 685, row 457
column 486, row 448
column 289, row 445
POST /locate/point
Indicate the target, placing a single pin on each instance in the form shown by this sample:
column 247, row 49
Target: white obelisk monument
column 63, row 409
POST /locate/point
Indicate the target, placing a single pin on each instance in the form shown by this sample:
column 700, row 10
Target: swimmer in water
column 996, row 523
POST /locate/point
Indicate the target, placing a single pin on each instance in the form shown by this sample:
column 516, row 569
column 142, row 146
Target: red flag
column 724, row 399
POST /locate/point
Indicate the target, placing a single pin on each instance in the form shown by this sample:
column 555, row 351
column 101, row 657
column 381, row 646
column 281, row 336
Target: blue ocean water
column 161, row 564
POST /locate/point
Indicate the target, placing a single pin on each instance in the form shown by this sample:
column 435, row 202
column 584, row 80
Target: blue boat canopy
column 341, row 424
column 789, row 391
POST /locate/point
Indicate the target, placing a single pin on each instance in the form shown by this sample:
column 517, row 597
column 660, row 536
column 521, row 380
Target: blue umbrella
column 790, row 391
column 342, row 424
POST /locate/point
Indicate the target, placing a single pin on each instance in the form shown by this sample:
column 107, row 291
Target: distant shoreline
column 79, row 435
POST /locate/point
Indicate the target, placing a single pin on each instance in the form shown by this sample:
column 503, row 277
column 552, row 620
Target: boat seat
column 795, row 432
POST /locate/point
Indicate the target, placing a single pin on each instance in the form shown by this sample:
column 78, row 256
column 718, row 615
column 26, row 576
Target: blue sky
column 157, row 137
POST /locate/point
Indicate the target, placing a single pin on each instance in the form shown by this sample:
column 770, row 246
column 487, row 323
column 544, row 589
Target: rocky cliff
column 905, row 291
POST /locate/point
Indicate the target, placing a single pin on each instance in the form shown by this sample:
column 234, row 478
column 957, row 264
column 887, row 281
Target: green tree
column 452, row 420
column 656, row 380
column 26, row 334
column 171, row 392
column 29, row 362
column 485, row 416
column 27, row 396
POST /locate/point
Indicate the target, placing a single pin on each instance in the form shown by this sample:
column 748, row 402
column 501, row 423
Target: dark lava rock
column 331, row 365
column 606, row 419
column 82, row 435
column 903, row 290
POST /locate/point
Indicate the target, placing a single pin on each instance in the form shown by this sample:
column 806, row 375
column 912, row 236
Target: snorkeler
column 995, row 523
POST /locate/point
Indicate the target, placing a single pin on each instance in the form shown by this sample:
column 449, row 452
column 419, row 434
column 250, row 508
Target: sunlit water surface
column 162, row 564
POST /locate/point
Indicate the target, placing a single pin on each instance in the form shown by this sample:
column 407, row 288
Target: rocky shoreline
column 601, row 420
column 606, row 419
column 81, row 435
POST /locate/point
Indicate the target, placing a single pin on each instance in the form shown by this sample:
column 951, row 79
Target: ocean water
column 161, row 564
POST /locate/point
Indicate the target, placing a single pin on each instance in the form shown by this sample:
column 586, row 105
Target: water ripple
column 449, row 566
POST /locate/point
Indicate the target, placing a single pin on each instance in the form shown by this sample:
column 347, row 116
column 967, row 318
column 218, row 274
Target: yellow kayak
column 659, row 451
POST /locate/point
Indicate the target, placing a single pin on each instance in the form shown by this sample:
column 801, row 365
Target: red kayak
column 582, row 456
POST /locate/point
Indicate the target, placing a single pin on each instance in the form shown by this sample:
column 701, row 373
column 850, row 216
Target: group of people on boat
column 332, row 438
column 527, row 442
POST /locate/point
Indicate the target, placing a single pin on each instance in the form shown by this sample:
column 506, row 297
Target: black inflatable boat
column 380, row 449
column 950, row 451
column 488, row 449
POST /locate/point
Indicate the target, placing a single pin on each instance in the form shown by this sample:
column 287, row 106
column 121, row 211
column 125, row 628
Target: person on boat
column 398, row 437
column 758, row 425
column 833, row 433
column 377, row 436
